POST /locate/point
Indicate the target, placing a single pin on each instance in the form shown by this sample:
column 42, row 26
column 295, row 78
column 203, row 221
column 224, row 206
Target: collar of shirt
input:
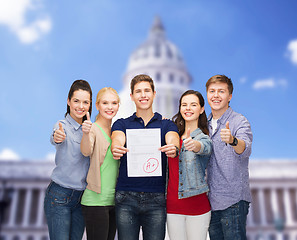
column 223, row 118
column 156, row 116
column 195, row 132
column 73, row 123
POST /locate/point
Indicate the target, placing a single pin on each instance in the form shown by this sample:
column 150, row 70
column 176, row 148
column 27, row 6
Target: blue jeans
column 135, row 209
column 229, row 224
column 63, row 213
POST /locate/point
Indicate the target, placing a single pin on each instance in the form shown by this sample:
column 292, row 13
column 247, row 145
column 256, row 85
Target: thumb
column 188, row 133
column 227, row 125
column 88, row 116
column 61, row 127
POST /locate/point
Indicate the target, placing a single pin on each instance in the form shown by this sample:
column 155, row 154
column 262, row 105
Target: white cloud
column 50, row 156
column 8, row 154
column 292, row 48
column 13, row 15
column 270, row 83
column 243, row 80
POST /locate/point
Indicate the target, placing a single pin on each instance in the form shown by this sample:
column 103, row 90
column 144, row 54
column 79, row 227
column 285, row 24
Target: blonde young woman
column 98, row 198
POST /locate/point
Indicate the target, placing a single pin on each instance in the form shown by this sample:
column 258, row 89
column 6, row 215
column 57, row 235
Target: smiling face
column 108, row 105
column 79, row 104
column 218, row 98
column 143, row 95
column 190, row 108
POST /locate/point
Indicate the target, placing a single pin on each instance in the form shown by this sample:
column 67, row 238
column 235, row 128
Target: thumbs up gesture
column 226, row 134
column 87, row 124
column 189, row 143
column 59, row 134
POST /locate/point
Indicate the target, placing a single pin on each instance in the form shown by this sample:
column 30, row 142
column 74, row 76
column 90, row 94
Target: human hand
column 226, row 134
column 118, row 151
column 169, row 149
column 189, row 143
column 87, row 124
column 59, row 134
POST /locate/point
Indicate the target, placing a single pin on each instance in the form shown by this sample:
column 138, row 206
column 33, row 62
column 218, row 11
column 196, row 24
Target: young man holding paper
column 140, row 196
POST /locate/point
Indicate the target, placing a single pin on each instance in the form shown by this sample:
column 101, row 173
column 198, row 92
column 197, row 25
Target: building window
column 20, row 206
column 171, row 78
column 169, row 52
column 158, row 77
column 157, row 50
column 181, row 80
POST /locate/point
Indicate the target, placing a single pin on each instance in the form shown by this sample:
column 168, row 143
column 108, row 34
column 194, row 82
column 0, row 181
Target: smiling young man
column 140, row 201
column 227, row 171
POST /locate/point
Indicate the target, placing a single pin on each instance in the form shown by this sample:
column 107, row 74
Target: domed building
column 163, row 62
column 272, row 214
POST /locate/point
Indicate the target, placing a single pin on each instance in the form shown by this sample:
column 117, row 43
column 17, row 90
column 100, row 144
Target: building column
column 274, row 204
column 288, row 209
column 262, row 208
column 27, row 207
column 13, row 209
column 39, row 221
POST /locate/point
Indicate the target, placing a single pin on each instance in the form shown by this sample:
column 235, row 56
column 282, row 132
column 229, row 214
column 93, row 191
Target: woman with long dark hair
column 188, row 208
column 68, row 181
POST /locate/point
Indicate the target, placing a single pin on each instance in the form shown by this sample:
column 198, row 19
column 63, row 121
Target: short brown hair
column 220, row 79
column 141, row 78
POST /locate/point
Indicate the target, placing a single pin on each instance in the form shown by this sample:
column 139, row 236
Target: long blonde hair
column 102, row 91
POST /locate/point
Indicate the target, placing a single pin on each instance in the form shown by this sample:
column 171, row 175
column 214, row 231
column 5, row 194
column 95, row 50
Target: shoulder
column 168, row 125
column 198, row 134
column 238, row 117
column 239, row 121
column 121, row 124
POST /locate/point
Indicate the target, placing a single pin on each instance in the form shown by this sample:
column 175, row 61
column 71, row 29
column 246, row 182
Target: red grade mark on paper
column 150, row 165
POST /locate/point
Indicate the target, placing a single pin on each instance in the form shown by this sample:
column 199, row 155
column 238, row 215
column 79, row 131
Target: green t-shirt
column 109, row 172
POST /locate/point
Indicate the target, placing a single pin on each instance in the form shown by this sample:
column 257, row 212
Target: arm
column 118, row 139
column 172, row 143
column 85, row 144
column 243, row 136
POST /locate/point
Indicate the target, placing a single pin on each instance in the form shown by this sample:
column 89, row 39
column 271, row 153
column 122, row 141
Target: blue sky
column 46, row 45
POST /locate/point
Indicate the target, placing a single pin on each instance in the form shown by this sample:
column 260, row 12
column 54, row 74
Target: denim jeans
column 229, row 224
column 140, row 209
column 63, row 213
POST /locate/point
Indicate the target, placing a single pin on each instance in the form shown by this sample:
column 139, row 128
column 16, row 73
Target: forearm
column 85, row 145
column 172, row 138
column 240, row 147
column 116, row 142
column 197, row 146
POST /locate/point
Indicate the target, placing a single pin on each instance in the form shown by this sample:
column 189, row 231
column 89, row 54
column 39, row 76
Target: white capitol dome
column 160, row 59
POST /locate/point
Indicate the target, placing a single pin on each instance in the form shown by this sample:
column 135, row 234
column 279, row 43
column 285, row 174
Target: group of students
column 204, row 182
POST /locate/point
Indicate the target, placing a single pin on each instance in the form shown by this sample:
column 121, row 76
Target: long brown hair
column 202, row 120
column 80, row 85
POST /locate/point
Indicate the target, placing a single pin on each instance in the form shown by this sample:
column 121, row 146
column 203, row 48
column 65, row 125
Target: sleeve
column 206, row 145
column 244, row 132
column 119, row 125
column 170, row 126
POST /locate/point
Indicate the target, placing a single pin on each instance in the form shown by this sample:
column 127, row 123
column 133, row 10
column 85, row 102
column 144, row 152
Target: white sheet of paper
column 144, row 158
